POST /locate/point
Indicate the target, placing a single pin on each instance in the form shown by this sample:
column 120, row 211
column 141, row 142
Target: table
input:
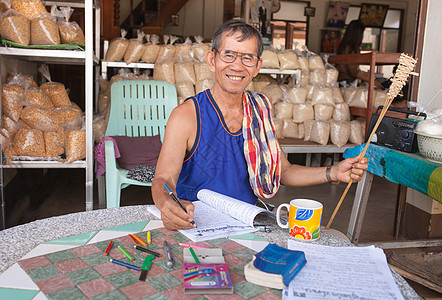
column 411, row 170
column 29, row 240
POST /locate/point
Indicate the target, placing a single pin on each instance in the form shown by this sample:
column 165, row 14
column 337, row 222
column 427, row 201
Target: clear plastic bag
column 167, row 51
column 315, row 62
column 290, row 129
column 150, row 53
column 202, row 71
column 270, row 59
column 12, row 99
column 75, row 145
column 68, row 115
column 164, row 71
column 44, row 30
column 99, row 126
column 341, row 112
column 70, row 32
column 57, row 93
column 301, row 132
column 39, row 118
column 331, row 73
column 185, row 89
column 360, row 98
column 36, row 97
column 431, row 126
column 322, row 95
column 103, row 102
column 337, row 95
column 29, row 142
column 200, row 49
column 135, row 49
column 279, row 126
column 54, row 143
column 323, row 112
column 117, row 48
column 259, row 86
column 203, row 85
column 28, row 8
column 379, row 98
column 297, row 94
column 288, row 60
column 183, row 52
column 356, row 136
column 15, row 27
column 308, row 124
column 317, row 76
column 273, row 92
column 302, row 112
column 184, row 72
column 320, row 132
column 339, row 132
column 23, row 80
column 283, row 110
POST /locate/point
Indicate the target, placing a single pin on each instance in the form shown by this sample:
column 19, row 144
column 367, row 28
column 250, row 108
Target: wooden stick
column 406, row 66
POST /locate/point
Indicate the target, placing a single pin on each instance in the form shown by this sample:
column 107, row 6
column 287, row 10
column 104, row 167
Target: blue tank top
column 216, row 160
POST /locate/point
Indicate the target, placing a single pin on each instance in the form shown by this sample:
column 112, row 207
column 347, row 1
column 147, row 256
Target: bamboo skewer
column 406, row 66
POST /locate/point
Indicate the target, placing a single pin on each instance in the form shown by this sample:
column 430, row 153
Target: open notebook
column 218, row 215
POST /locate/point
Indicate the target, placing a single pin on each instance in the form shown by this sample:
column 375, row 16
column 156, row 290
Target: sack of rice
column 28, row 8
column 200, row 49
column 317, row 77
column 151, row 50
column 70, row 32
column 185, row 89
column 356, row 133
column 54, row 143
column 12, row 99
column 15, row 27
column 279, row 126
column 310, row 90
column 337, row 95
column 322, row 95
column 339, row 132
column 135, row 49
column 297, row 94
column 290, row 129
column 184, row 72
column 331, row 75
column 117, row 48
column 315, row 62
column 304, row 78
column 301, row 133
column 360, row 98
column 29, row 142
column 203, row 85
column 308, row 124
column 303, row 63
column 379, row 98
column 273, row 92
column 270, row 59
column 44, row 30
column 183, row 52
column 323, row 112
column 75, row 145
column 167, row 52
column 302, row 112
column 39, row 118
column 68, row 115
column 283, row 110
column 57, row 93
column 202, row 71
column 258, row 86
column 164, row 71
column 288, row 60
column 320, row 132
column 341, row 112
column 36, row 97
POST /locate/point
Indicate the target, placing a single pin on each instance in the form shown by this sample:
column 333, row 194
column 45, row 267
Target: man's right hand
column 174, row 218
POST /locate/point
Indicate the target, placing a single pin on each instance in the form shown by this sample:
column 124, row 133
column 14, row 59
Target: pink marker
column 193, row 246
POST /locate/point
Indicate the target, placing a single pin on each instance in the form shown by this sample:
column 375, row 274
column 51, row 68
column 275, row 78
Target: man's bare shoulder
column 184, row 116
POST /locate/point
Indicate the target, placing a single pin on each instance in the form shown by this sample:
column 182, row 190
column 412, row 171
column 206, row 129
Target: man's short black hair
column 232, row 27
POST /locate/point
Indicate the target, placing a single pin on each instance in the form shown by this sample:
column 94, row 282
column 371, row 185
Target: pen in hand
column 176, row 200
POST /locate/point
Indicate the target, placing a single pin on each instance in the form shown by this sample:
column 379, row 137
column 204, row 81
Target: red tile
column 160, row 241
column 35, row 262
column 86, row 250
column 71, row 265
column 203, row 244
column 267, row 296
column 178, row 293
column 235, row 277
column 178, row 274
column 155, row 271
column 166, row 231
column 109, row 269
column 223, row 297
column 231, row 246
column 126, row 240
column 96, row 287
column 53, row 284
column 138, row 290
column 232, row 260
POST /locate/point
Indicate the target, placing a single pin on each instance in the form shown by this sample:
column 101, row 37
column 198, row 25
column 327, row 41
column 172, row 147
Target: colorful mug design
column 304, row 221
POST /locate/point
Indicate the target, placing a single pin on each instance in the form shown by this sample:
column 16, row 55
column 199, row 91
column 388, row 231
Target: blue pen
column 176, row 200
column 121, row 263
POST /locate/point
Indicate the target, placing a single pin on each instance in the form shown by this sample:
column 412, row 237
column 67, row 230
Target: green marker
column 125, row 253
column 194, row 255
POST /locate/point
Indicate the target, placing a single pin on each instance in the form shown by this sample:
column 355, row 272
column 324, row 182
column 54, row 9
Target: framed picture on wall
column 337, row 13
column 330, row 39
column 373, row 15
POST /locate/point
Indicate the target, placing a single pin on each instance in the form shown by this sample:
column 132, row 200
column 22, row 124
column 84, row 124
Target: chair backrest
column 140, row 107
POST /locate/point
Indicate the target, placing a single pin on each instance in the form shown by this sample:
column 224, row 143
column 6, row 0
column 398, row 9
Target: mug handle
column 286, row 225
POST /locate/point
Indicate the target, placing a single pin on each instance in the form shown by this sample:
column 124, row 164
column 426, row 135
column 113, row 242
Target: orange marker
column 148, row 237
column 139, row 240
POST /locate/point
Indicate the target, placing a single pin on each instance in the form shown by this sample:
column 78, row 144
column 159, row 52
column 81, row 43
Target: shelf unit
column 73, row 57
column 372, row 59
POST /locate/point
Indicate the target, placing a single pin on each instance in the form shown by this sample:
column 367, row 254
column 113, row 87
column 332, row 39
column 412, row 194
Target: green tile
column 218, row 241
column 123, row 279
column 276, row 292
column 176, row 249
column 112, row 295
column 180, row 237
column 201, row 298
column 69, row 293
column 177, row 264
column 163, row 282
column 245, row 254
column 239, row 269
column 83, row 275
column 80, row 239
column 134, row 227
column 96, row 259
column 247, row 236
column 43, row 273
column 158, row 296
column 103, row 244
column 248, row 290
column 17, row 294
column 61, row 256
column 156, row 234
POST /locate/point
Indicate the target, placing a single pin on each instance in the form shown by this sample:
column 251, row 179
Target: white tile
column 43, row 249
column 104, row 235
column 40, row 296
column 153, row 224
column 15, row 277
column 254, row 245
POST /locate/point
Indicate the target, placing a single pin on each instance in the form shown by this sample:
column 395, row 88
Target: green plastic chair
column 138, row 108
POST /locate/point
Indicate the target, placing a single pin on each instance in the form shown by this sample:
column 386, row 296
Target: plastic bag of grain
column 337, row 95
column 361, row 121
column 323, row 112
column 103, row 102
column 29, row 142
column 302, row 112
column 39, row 118
column 12, row 100
column 301, row 132
column 317, row 76
column 184, row 71
column 279, row 126
column 273, row 92
column 259, row 86
column 331, row 73
column 283, row 110
column 203, row 85
column 290, row 129
column 183, row 52
column 9, row 126
column 75, row 145
column 200, row 49
column 151, row 50
column 320, row 132
column 360, row 98
column 135, row 49
column 185, row 89
column 167, row 51
column 341, row 112
column 117, row 48
column 164, row 71
column 36, row 97
column 310, row 90
column 68, row 115
column 308, row 124
column 288, row 60
column 54, row 143
column 296, row 94
column 339, row 132
column 99, row 126
column 349, row 93
column 202, row 71
column 315, row 62
column 302, row 59
column 356, row 133
column 44, row 30
column 379, row 98
column 23, row 80
column 270, row 59
column 323, row 95
column 15, row 27
column 28, row 8
column 70, row 32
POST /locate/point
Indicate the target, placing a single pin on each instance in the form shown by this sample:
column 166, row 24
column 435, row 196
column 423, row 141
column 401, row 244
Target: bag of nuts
column 29, row 8
column 15, row 27
column 39, row 118
column 12, row 100
column 117, row 48
column 36, row 97
column 54, row 143
column 70, row 32
column 23, row 80
column 29, row 142
column 55, row 90
column 150, row 53
column 75, row 145
column 44, row 30
column 135, row 49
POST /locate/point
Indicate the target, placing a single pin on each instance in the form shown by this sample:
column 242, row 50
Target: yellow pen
column 148, row 237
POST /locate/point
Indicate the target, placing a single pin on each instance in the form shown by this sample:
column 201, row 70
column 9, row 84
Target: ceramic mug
column 304, row 221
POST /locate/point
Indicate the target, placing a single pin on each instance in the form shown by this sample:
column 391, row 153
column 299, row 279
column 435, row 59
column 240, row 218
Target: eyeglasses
column 229, row 56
